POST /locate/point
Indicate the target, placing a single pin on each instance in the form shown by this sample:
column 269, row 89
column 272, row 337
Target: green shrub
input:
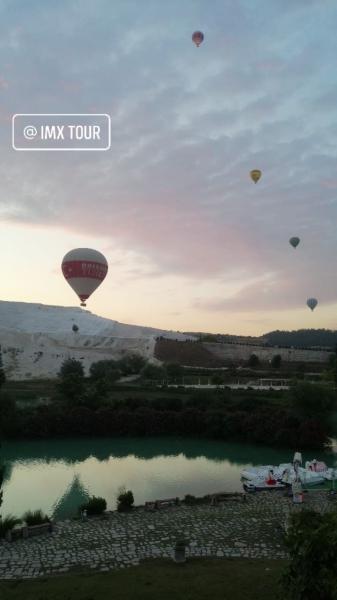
column 312, row 545
column 35, row 518
column 7, row 524
column 94, row 506
column 125, row 500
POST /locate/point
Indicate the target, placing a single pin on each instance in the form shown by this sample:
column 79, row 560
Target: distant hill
column 300, row 338
column 303, row 338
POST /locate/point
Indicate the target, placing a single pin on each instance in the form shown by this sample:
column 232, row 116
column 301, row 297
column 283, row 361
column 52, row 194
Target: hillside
column 300, row 338
column 303, row 338
column 35, row 339
column 187, row 354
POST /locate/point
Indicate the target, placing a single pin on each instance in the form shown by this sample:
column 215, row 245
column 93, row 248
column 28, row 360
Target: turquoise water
column 58, row 475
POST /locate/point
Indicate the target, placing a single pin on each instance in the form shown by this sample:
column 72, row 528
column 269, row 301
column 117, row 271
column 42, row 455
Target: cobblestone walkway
column 251, row 529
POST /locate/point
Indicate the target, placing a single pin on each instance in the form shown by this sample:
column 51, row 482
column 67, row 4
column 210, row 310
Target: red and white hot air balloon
column 84, row 270
column 198, row 38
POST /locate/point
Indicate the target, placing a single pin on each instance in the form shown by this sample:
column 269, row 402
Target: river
column 58, row 475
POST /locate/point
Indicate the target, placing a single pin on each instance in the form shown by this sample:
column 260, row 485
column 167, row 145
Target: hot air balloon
column 84, row 270
column 312, row 303
column 198, row 38
column 255, row 175
column 294, row 241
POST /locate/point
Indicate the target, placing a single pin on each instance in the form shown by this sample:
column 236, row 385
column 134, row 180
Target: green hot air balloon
column 312, row 303
column 294, row 241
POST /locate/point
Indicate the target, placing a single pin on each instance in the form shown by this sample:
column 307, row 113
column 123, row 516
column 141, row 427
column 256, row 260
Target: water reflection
column 74, row 496
column 57, row 476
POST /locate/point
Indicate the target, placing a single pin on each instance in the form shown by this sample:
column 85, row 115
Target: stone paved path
column 251, row 529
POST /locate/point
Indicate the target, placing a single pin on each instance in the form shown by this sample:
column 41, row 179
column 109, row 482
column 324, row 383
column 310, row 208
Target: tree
column 313, row 399
column 103, row 374
column 8, row 414
column 276, row 361
column 71, row 377
column 2, row 476
column 174, row 370
column 2, row 372
column 312, row 546
column 153, row 372
column 331, row 373
column 104, row 370
column 131, row 364
column 217, row 379
column 253, row 360
column 2, row 420
column 71, row 366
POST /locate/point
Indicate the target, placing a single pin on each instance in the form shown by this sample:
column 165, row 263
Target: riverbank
column 269, row 418
column 232, row 529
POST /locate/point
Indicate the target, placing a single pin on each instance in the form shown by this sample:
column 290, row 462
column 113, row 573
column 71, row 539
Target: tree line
column 92, row 406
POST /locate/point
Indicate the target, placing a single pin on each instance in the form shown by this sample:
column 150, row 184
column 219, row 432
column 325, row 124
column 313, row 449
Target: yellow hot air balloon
column 255, row 175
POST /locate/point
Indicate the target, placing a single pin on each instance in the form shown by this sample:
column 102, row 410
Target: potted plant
column 125, row 500
column 180, row 551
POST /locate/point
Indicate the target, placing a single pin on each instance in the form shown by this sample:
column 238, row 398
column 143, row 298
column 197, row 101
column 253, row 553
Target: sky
column 192, row 243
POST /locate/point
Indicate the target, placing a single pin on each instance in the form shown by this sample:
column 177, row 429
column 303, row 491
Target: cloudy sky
column 192, row 243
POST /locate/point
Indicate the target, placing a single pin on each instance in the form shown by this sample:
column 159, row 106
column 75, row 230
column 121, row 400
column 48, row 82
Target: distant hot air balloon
column 84, row 270
column 294, row 241
column 312, row 303
column 198, row 38
column 255, row 175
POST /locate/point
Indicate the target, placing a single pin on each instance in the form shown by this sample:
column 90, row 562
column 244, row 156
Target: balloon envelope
column 84, row 269
column 294, row 241
column 198, row 37
column 312, row 303
column 255, row 175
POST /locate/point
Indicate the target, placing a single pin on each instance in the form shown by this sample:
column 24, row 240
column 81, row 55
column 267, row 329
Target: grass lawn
column 198, row 579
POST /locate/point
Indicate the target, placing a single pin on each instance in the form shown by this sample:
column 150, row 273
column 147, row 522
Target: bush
column 7, row 524
column 190, row 500
column 125, row 500
column 276, row 361
column 35, row 518
column 94, row 506
column 253, row 361
column 312, row 545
